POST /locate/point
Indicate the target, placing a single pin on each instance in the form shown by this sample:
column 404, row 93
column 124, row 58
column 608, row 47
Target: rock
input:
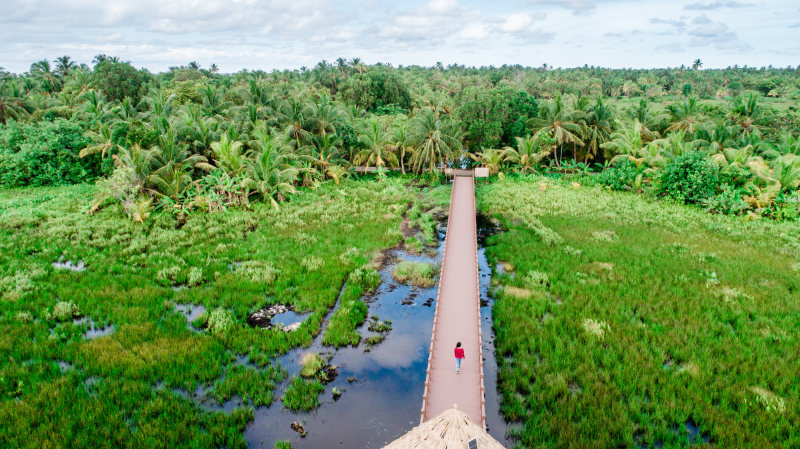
column 297, row 427
column 263, row 317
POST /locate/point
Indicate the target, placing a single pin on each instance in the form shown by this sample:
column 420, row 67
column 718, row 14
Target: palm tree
column 294, row 114
column 747, row 114
column 437, row 140
column 597, row 127
column 490, row 158
column 12, row 103
column 696, row 64
column 269, row 171
column 716, row 138
column 530, row 151
column 685, row 116
column 230, row 156
column 558, row 124
column 96, row 107
column 102, row 142
column 377, row 151
column 64, row 65
column 402, row 142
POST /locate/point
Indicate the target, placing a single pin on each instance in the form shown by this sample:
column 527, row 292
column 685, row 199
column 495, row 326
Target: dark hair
column 458, row 345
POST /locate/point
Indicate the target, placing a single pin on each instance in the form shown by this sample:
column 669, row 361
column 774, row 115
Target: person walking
column 459, row 356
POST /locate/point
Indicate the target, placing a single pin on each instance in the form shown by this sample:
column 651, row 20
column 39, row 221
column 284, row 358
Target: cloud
column 716, row 34
column 717, row 4
column 677, row 23
column 475, row 31
column 701, row 20
column 516, row 22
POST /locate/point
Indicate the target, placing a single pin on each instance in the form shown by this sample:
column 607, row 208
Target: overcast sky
column 255, row 34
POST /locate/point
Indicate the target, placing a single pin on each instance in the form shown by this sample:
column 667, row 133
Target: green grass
column 234, row 259
column 625, row 318
column 415, row 273
column 255, row 387
column 302, row 395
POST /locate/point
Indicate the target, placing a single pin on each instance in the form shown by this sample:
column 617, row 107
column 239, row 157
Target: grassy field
column 627, row 322
column 59, row 389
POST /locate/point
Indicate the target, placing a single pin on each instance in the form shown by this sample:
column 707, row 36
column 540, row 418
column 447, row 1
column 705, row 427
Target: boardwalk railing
column 447, row 242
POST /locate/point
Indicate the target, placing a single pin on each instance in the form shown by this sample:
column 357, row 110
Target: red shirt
column 459, row 353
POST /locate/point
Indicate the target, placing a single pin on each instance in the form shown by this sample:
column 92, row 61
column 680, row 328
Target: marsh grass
column 302, row 395
column 236, row 261
column 419, row 274
column 618, row 310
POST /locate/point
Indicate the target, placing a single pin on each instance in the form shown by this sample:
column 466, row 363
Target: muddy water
column 382, row 388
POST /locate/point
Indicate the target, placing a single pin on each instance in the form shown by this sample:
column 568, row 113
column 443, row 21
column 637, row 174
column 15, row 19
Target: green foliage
column 366, row 278
column 419, row 274
column 728, row 201
column 219, row 321
column 283, row 445
column 302, row 395
column 493, row 118
column 65, row 311
column 375, row 89
column 620, row 176
column 119, row 80
column 44, row 153
column 692, row 178
column 255, row 387
column 312, row 364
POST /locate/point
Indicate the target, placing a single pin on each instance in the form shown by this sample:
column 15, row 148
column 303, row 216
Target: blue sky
column 276, row 34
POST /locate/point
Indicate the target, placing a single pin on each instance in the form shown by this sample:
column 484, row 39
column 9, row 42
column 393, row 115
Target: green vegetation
column 639, row 317
column 653, row 229
column 312, row 364
column 415, row 273
column 241, row 254
column 253, row 386
column 302, row 395
column 283, row 445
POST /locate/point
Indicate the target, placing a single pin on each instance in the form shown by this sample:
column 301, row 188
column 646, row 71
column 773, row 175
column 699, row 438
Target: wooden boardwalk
column 457, row 316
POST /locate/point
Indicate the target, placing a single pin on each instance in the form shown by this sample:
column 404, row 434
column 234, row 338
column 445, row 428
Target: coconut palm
column 559, row 124
column 597, row 127
column 269, row 170
column 102, row 142
column 490, row 158
column 402, row 142
column 374, row 139
column 294, row 113
column 229, row 156
column 685, row 116
column 12, row 103
column 529, row 151
column 437, row 140
column 715, row 138
column 64, row 65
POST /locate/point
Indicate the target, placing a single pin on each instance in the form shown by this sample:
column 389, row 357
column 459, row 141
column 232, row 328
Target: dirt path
column 457, row 316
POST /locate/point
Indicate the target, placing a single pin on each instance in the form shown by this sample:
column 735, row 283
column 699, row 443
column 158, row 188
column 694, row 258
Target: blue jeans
column 458, row 364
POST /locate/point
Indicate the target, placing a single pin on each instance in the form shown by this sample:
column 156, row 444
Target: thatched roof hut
column 451, row 430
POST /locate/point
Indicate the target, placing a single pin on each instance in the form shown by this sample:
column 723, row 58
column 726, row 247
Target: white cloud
column 475, row 31
column 516, row 22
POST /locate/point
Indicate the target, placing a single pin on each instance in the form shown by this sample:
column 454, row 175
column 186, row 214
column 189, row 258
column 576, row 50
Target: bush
column 415, row 273
column 45, row 153
column 729, row 202
column 65, row 311
column 620, row 176
column 120, row 80
column 302, row 395
column 220, row 320
column 365, row 277
column 375, row 89
column 691, row 178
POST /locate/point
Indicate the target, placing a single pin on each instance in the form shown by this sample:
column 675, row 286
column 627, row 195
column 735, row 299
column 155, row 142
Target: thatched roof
column 452, row 430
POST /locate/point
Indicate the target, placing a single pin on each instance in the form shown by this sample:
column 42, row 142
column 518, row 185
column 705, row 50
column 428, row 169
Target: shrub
column 312, row 364
column 257, row 271
column 219, row 320
column 729, row 202
column 620, row 176
column 365, row 277
column 45, row 153
column 415, row 273
column 65, row 311
column 302, row 395
column 691, row 178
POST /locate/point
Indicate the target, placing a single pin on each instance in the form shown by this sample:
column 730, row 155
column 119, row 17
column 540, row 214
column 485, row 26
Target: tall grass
column 674, row 318
column 120, row 388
